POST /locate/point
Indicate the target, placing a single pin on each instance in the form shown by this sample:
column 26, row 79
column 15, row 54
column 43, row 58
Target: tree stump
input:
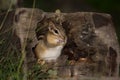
column 92, row 50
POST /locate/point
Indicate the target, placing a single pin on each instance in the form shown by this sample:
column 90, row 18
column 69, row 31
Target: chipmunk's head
column 56, row 34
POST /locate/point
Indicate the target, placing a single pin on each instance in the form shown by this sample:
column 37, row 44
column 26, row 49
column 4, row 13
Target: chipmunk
column 50, row 47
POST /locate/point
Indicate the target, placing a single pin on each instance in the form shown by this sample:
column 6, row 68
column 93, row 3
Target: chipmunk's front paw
column 41, row 62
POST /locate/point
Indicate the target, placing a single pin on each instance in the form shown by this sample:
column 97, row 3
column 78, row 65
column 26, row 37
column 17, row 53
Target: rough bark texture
column 92, row 49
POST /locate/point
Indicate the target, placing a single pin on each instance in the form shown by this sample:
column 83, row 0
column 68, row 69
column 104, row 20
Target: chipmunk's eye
column 56, row 31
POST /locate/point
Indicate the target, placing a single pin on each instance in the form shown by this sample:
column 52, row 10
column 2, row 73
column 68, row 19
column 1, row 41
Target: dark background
column 103, row 6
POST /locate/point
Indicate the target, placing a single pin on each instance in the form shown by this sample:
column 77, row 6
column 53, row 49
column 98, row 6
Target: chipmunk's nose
column 62, row 40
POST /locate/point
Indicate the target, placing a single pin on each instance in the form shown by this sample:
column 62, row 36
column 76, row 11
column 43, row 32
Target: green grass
column 8, row 58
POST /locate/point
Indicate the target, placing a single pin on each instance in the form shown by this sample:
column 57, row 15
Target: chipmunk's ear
column 51, row 26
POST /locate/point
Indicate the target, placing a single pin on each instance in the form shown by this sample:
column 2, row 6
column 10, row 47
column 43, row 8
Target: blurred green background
column 103, row 6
